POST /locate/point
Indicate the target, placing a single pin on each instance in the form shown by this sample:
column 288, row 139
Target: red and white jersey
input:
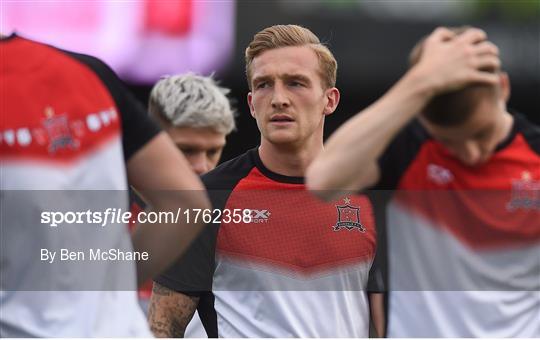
column 297, row 268
column 68, row 126
column 463, row 242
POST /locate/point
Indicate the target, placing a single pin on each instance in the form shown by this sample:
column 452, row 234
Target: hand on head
column 453, row 60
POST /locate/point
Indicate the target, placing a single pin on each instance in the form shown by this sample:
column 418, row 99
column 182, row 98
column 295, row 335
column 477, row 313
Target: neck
column 288, row 160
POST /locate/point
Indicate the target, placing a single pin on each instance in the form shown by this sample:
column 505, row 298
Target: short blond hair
column 292, row 35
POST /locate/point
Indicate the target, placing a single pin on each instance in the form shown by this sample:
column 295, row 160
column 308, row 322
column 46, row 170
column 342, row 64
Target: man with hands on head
column 448, row 62
column 463, row 225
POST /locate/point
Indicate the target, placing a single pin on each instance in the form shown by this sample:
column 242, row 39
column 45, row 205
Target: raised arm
column 447, row 62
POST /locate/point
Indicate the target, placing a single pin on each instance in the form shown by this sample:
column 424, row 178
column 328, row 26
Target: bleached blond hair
column 191, row 100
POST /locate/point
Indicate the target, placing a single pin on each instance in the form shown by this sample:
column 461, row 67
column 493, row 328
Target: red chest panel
column 68, row 110
column 294, row 230
column 484, row 206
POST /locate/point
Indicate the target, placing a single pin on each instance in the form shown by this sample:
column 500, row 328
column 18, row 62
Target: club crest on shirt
column 525, row 193
column 348, row 217
column 57, row 127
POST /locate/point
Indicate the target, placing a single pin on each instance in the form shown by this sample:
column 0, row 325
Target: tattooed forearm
column 170, row 312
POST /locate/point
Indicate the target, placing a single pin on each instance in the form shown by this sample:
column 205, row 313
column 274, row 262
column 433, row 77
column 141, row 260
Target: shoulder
column 95, row 64
column 529, row 131
column 229, row 173
column 413, row 133
column 407, row 142
column 399, row 155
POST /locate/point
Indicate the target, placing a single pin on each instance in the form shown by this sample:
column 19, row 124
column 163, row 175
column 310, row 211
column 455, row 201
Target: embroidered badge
column 348, row 217
column 525, row 193
column 57, row 127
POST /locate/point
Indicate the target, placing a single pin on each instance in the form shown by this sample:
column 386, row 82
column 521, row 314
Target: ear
column 250, row 104
column 332, row 96
column 504, row 83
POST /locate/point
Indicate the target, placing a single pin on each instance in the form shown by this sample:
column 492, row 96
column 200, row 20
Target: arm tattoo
column 170, row 312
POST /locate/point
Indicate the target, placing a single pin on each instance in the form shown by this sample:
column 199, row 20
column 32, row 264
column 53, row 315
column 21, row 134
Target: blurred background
column 145, row 39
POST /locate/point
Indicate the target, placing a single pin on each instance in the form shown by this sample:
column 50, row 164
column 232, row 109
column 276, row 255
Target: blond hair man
column 291, row 270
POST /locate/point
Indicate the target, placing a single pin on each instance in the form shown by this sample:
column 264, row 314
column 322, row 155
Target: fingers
column 452, row 59
column 485, row 57
column 469, row 36
column 472, row 36
column 487, row 47
column 486, row 78
column 482, row 54
column 441, row 34
column 487, row 63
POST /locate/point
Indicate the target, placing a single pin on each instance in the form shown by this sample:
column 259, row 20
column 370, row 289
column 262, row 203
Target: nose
column 280, row 99
column 469, row 153
column 199, row 163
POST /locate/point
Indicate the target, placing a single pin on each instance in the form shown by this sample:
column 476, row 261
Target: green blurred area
column 510, row 10
column 513, row 10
